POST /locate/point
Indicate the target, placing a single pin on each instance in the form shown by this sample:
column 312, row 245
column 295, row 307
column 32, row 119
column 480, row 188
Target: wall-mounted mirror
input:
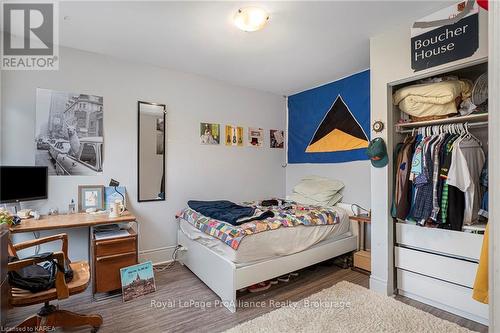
column 151, row 151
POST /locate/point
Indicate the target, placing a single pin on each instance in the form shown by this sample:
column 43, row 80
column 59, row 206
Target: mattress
column 273, row 243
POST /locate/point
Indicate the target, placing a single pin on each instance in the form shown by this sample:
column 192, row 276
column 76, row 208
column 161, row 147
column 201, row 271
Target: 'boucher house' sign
column 447, row 35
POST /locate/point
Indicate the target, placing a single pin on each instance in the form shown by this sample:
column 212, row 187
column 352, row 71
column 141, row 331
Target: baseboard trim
column 379, row 285
column 158, row 256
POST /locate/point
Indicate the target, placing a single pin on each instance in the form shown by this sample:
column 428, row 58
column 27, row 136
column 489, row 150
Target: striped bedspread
column 284, row 216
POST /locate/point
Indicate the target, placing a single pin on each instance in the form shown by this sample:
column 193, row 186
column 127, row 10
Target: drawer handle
column 115, row 256
column 117, row 240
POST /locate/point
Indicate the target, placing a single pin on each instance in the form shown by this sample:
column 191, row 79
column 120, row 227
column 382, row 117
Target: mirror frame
column 139, row 152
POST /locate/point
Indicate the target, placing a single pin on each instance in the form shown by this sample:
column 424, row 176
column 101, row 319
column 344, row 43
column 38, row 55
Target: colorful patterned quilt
column 289, row 215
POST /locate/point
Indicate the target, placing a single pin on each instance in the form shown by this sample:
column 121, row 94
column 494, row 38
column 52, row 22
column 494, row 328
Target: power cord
column 170, row 264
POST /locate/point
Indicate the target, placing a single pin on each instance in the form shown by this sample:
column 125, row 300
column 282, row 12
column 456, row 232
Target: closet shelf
column 473, row 118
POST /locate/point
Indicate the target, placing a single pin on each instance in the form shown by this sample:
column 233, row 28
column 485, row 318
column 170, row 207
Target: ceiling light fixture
column 251, row 18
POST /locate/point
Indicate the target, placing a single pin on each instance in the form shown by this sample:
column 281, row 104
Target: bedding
column 432, row 99
column 318, row 188
column 227, row 211
column 297, row 197
column 290, row 215
column 272, row 243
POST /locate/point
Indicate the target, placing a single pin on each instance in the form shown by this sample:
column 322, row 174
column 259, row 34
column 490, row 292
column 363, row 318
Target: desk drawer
column 107, row 270
column 115, row 246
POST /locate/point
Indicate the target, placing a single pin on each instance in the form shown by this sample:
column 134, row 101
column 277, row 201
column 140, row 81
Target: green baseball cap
column 377, row 151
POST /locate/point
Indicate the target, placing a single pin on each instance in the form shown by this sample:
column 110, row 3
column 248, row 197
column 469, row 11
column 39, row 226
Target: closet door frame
column 494, row 162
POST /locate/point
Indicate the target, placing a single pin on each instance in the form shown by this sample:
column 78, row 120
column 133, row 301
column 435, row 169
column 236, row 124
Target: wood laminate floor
column 177, row 287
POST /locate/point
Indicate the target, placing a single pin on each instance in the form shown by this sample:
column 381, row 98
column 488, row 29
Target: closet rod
column 469, row 125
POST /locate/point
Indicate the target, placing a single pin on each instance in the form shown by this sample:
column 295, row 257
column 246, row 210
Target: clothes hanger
column 470, row 135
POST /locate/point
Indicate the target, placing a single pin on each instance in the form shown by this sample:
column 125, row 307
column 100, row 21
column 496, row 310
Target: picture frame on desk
column 90, row 196
column 111, row 194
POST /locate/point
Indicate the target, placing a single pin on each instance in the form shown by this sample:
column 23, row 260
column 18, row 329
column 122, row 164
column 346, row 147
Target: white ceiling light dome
column 251, row 18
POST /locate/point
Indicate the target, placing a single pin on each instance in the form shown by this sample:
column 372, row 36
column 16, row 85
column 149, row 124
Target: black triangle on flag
column 339, row 130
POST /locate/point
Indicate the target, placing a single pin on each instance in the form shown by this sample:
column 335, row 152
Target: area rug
column 347, row 307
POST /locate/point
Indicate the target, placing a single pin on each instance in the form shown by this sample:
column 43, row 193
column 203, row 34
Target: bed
column 226, row 268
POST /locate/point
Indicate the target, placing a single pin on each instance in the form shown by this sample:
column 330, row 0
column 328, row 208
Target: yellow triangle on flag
column 336, row 140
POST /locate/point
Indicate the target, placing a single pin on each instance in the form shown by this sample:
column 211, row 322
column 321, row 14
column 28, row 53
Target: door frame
column 494, row 162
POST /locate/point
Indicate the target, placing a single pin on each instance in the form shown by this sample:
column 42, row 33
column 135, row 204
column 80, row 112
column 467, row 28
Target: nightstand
column 362, row 258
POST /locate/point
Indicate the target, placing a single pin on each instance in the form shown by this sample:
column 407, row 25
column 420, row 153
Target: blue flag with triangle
column 331, row 123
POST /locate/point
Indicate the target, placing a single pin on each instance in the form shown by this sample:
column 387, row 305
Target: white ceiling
column 305, row 44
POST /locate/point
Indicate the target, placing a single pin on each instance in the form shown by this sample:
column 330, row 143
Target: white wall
column 355, row 175
column 390, row 61
column 193, row 171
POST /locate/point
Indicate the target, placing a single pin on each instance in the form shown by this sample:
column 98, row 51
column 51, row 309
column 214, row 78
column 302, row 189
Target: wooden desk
column 362, row 258
column 106, row 256
column 51, row 222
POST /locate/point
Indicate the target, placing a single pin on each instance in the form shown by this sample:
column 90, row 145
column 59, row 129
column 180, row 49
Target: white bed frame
column 225, row 278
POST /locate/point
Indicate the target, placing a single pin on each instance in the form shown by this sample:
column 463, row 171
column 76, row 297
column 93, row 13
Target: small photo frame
column 277, row 138
column 234, row 136
column 90, row 196
column 255, row 137
column 111, row 195
column 209, row 134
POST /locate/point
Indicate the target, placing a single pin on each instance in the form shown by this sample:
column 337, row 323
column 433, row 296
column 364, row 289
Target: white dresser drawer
column 447, row 296
column 444, row 268
column 454, row 243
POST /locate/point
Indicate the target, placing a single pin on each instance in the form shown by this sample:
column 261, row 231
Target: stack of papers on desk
column 111, row 231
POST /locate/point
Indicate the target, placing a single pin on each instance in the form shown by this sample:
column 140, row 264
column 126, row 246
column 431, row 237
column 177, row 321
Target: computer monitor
column 23, row 183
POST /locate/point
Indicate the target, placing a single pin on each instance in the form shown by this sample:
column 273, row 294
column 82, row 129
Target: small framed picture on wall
column 277, row 138
column 90, row 196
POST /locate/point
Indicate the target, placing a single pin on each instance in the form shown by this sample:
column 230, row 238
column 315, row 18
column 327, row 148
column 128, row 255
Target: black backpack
column 39, row 277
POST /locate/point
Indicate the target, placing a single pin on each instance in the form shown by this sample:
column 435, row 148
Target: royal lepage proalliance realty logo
column 30, row 36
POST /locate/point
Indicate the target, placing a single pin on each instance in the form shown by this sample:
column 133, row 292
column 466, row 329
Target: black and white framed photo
column 69, row 133
column 90, row 196
column 277, row 138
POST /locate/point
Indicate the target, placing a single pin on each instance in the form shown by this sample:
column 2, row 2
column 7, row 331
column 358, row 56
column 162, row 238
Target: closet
column 436, row 254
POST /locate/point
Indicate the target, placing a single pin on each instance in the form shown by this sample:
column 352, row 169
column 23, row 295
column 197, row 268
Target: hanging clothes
column 395, row 190
column 443, row 175
column 423, row 183
column 435, row 177
column 402, row 185
column 442, row 186
column 483, row 212
column 465, row 171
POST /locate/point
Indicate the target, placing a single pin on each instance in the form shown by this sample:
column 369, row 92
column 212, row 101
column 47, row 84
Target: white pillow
column 299, row 198
column 318, row 188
